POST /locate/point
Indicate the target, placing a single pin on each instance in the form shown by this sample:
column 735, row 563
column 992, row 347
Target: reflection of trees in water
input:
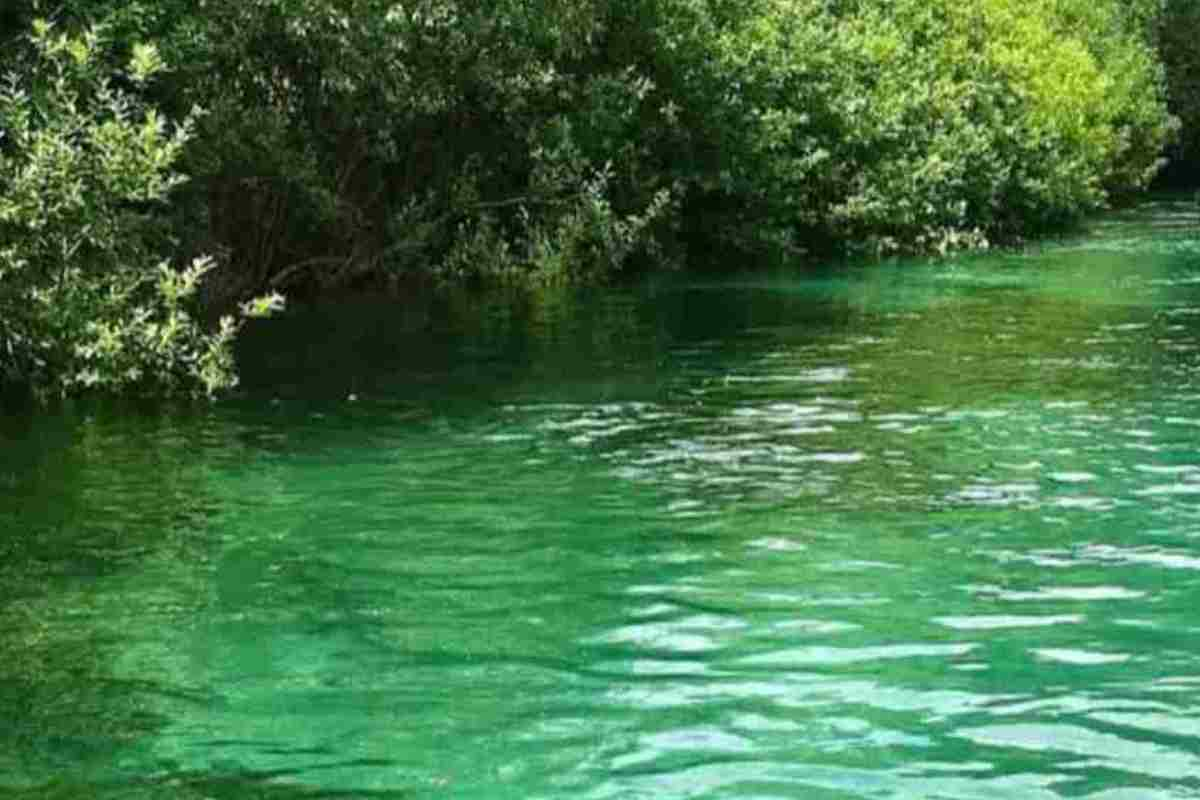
column 92, row 499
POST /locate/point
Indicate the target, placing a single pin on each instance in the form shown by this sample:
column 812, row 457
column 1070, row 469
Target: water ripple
column 919, row 530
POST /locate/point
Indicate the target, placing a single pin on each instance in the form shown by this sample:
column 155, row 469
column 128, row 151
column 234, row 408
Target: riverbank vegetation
column 163, row 162
column 1176, row 45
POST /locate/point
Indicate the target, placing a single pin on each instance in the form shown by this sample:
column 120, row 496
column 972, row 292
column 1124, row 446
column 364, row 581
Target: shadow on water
column 92, row 493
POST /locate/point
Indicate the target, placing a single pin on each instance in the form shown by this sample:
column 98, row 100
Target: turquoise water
column 914, row 530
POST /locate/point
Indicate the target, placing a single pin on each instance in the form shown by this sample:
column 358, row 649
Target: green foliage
column 1177, row 35
column 366, row 142
column 922, row 124
column 87, row 298
column 372, row 141
column 549, row 140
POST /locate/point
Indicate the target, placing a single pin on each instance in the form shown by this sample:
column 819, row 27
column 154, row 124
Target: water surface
column 917, row 529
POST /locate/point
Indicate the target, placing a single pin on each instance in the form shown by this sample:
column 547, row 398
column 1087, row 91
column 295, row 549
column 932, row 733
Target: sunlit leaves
column 929, row 124
column 87, row 300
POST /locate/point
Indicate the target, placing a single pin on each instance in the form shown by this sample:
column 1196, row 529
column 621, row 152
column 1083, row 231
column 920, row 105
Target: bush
column 87, row 297
column 922, row 124
column 374, row 141
column 1177, row 44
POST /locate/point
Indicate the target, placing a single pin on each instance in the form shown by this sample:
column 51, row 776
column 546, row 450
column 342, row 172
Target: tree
column 363, row 143
column 1177, row 45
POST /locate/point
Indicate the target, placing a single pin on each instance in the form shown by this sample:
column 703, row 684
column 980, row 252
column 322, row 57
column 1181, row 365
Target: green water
column 917, row 530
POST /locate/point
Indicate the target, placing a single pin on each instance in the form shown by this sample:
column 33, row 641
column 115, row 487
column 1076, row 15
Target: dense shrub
column 1177, row 35
column 370, row 142
column 375, row 141
column 87, row 296
column 927, row 123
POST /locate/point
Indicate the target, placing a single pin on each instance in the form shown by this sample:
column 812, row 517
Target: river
column 912, row 529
